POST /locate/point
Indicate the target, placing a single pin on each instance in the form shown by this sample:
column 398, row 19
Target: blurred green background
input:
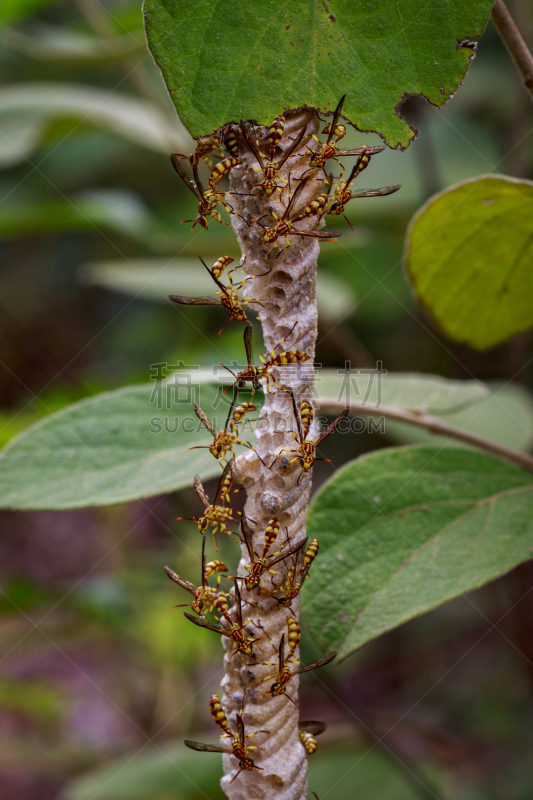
column 100, row 679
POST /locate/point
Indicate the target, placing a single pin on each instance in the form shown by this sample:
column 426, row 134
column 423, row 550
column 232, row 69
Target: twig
column 514, row 42
column 436, row 425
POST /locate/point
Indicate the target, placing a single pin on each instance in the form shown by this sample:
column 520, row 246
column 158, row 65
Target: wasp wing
column 371, row 151
column 247, row 536
column 204, row 579
column 281, row 653
column 227, row 471
column 315, row 234
column 176, row 163
column 218, row 283
column 202, row 416
column 176, row 578
column 252, row 145
column 204, row 624
column 313, row 727
column 248, row 345
column 385, row 190
column 194, row 301
column 238, row 604
column 293, row 549
column 200, row 491
column 240, row 729
column 299, row 189
column 316, row 664
column 297, row 417
column 336, row 115
column 205, row 748
column 290, row 150
column 332, row 426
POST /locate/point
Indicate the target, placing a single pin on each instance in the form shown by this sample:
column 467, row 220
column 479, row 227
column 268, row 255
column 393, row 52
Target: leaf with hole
column 257, row 59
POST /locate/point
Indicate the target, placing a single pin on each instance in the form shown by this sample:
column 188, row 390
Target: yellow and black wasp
column 305, row 452
column 259, row 565
column 206, row 598
column 253, row 374
column 229, row 294
column 225, row 440
column 216, row 514
column 284, row 225
column 236, row 630
column 284, row 674
column 239, row 748
column 307, row 731
column 208, row 199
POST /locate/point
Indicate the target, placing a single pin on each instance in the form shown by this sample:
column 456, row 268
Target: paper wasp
column 229, row 299
column 208, row 199
column 284, row 226
column 258, row 566
column 305, row 452
column 238, row 747
column 270, row 168
column 236, row 631
column 307, row 732
column 297, row 574
column 329, row 148
column 284, row 675
column 216, row 514
column 205, row 597
column 221, row 169
column 225, row 440
column 231, row 145
column 205, row 147
column 343, row 193
column 254, row 374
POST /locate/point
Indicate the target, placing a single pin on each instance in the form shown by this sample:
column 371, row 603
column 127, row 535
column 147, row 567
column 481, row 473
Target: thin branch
column 514, row 42
column 436, row 425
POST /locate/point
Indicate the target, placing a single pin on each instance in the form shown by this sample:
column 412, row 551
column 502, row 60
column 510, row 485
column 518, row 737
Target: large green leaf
column 153, row 773
column 114, row 447
column 407, row 391
column 504, row 415
column 403, row 530
column 101, row 451
column 252, row 59
column 468, row 254
column 172, row 772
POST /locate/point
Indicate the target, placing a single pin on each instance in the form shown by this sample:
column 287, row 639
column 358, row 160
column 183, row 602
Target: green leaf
column 408, row 391
column 404, row 530
column 115, row 447
column 504, row 415
column 253, row 60
column 468, row 254
column 156, row 773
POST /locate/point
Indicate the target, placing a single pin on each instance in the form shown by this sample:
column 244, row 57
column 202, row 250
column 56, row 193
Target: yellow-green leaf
column 468, row 254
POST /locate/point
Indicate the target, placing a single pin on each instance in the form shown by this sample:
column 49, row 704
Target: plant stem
column 436, row 425
column 288, row 309
column 514, row 42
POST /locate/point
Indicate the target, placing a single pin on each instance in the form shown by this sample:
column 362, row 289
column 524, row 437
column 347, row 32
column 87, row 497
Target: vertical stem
column 514, row 42
column 291, row 288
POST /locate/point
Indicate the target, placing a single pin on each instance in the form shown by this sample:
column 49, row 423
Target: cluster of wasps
column 211, row 603
column 333, row 201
